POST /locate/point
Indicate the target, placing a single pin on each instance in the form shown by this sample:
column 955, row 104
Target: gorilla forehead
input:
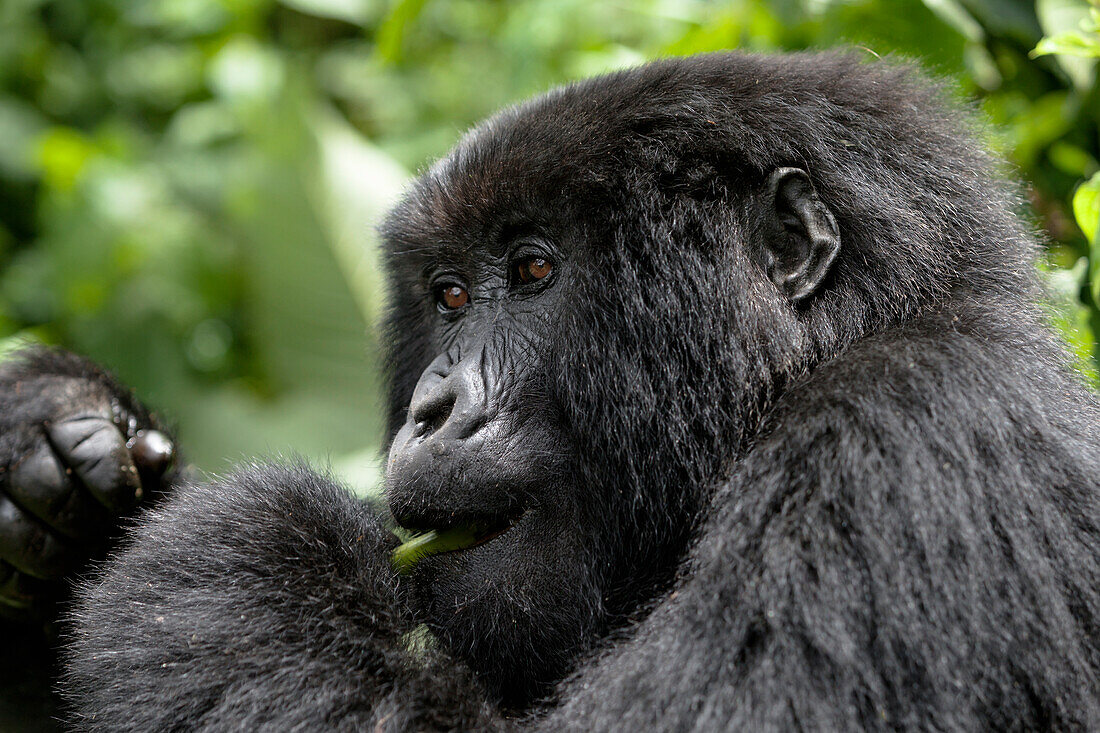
column 567, row 146
column 676, row 125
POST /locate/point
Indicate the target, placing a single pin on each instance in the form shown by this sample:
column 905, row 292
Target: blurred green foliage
column 188, row 187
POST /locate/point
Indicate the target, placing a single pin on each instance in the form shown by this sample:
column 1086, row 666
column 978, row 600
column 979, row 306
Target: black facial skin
column 484, row 445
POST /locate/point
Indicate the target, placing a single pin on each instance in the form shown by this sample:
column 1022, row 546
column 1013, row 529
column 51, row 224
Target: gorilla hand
column 76, row 453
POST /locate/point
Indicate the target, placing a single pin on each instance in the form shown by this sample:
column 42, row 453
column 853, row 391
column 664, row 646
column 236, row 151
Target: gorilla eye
column 531, row 269
column 452, row 297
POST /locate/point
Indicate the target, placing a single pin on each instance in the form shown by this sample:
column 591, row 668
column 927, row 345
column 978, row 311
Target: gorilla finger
column 96, row 451
column 41, row 485
column 152, row 453
column 27, row 545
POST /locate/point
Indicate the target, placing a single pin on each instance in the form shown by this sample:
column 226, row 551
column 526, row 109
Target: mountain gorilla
column 723, row 389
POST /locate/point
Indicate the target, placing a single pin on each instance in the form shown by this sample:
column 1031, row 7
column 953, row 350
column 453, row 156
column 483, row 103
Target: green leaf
column 391, row 36
column 1066, row 25
column 408, row 554
column 1086, row 209
column 1069, row 44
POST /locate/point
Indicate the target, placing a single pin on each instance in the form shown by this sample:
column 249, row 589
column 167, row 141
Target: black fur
column 284, row 614
column 876, row 508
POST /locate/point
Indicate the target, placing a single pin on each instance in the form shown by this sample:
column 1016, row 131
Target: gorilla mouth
column 456, row 538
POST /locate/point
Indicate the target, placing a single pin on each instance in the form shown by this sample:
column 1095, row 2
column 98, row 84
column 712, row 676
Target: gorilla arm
column 891, row 554
column 267, row 599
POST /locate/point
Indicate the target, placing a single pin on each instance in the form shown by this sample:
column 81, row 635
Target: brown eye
column 533, row 268
column 453, row 297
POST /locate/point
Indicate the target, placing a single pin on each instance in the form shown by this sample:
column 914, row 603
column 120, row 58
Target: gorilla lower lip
column 452, row 539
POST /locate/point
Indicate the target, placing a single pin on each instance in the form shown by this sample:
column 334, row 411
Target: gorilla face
column 484, row 447
column 580, row 328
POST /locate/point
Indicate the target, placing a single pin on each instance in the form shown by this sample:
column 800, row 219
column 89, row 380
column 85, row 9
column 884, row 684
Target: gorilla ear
column 803, row 240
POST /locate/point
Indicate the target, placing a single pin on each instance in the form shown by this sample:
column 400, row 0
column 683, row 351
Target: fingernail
column 151, row 450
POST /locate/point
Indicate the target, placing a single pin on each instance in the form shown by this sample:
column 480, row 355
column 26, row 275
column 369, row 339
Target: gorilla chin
column 526, row 600
column 517, row 585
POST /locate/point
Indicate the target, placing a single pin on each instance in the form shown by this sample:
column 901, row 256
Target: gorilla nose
column 456, row 404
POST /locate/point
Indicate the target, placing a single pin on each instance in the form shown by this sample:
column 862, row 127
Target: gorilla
column 722, row 396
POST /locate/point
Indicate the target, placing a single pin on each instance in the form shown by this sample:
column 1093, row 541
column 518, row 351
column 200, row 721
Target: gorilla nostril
column 431, row 415
column 431, row 425
column 464, row 422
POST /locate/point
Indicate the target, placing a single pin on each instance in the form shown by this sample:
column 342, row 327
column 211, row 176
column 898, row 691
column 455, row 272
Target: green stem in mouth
column 433, row 542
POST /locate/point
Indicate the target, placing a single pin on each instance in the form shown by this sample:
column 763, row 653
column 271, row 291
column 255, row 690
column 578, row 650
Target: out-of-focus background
column 188, row 187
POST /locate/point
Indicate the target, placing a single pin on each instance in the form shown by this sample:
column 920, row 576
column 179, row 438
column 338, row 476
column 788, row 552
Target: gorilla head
column 596, row 295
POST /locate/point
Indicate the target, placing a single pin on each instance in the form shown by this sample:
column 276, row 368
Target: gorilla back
column 731, row 375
